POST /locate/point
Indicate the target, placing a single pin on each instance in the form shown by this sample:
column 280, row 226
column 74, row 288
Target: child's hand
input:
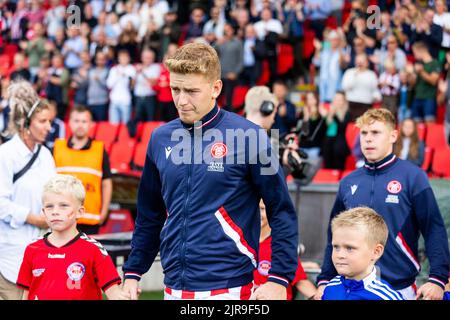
column 115, row 292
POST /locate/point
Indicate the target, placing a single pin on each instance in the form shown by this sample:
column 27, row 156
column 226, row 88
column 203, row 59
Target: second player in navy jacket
column 400, row 192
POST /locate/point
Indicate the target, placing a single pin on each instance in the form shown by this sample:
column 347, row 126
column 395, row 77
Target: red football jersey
column 79, row 270
column 261, row 274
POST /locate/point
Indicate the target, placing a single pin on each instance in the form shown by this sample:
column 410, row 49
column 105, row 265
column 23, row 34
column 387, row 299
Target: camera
column 304, row 170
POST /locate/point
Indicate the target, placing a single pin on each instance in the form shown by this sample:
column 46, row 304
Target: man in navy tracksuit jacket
column 204, row 217
column 400, row 192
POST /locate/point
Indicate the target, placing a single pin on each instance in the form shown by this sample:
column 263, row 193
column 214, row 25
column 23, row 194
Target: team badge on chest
column 76, row 271
column 219, row 150
column 394, row 187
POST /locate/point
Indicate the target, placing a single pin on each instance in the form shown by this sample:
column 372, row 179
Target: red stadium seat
column 139, row 154
column 239, row 93
column 327, row 176
column 346, row 173
column 350, row 162
column 440, row 113
column 123, row 135
column 285, row 58
column 106, row 131
column 427, row 159
column 4, row 65
column 107, row 145
column 121, row 155
column 351, row 133
column 440, row 164
column 119, row 220
column 435, row 136
column 308, row 43
column 10, row 50
column 422, row 131
column 147, row 130
column 265, row 74
column 69, row 131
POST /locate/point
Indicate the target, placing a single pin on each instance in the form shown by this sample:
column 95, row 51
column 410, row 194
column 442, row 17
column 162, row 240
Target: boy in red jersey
column 65, row 264
column 301, row 282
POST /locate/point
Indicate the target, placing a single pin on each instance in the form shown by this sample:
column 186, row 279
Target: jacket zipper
column 183, row 230
column 373, row 188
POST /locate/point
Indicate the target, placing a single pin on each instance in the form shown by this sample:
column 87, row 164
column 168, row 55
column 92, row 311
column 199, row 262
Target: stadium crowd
column 112, row 61
column 344, row 59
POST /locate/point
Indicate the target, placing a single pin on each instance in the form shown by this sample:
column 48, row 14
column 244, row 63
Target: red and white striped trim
column 207, row 122
column 278, row 278
column 383, row 165
column 322, row 282
column 407, row 250
column 232, row 230
column 236, row 293
column 132, row 274
column 437, row 280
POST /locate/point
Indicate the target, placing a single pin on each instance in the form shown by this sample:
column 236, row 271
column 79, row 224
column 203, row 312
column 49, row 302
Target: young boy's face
column 353, row 256
column 61, row 211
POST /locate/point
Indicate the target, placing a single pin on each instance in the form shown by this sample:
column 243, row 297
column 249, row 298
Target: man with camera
column 261, row 108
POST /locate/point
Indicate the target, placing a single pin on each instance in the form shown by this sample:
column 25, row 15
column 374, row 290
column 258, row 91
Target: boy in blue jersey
column 399, row 191
column 358, row 239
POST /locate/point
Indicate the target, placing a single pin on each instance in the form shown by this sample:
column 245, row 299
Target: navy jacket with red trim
column 203, row 215
column 400, row 192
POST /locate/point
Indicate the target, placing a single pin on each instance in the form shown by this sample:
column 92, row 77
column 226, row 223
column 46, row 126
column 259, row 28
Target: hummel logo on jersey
column 168, row 151
column 354, row 187
column 56, row 256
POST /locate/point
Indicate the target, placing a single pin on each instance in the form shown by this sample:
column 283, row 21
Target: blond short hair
column 64, row 183
column 365, row 218
column 372, row 115
column 195, row 58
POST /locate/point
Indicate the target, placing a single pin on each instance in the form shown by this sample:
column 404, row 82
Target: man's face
column 352, row 254
column 80, row 123
column 148, row 57
column 279, row 91
column 377, row 140
column 194, row 95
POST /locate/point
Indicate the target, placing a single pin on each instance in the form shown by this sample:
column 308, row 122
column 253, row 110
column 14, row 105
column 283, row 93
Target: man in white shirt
column 442, row 18
column 146, row 77
column 361, row 87
column 267, row 24
column 120, row 80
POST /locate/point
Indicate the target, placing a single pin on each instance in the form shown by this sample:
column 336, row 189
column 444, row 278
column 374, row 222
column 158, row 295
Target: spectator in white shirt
column 361, row 87
column 152, row 10
column 442, row 18
column 54, row 18
column 130, row 16
column 389, row 83
column 20, row 200
column 147, row 74
column 266, row 24
column 120, row 81
column 72, row 49
column 215, row 25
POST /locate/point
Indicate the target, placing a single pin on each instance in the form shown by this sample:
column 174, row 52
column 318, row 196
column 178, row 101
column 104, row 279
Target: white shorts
column 236, row 293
